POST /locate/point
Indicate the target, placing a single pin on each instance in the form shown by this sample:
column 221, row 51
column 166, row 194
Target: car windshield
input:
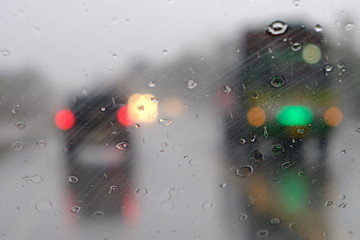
column 179, row 119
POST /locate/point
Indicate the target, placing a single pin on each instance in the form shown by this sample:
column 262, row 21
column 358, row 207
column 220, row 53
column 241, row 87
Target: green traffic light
column 295, row 116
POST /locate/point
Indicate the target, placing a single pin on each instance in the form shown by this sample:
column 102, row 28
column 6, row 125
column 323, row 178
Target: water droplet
column 244, row 171
column 241, row 141
column 328, row 68
column 277, row 28
column 296, row 3
column 342, row 196
column 301, row 174
column 190, row 84
column 343, row 151
column 155, row 99
column 296, row 46
column 286, row 165
column 18, row 145
column 137, row 125
column 76, row 209
column 103, row 109
column 41, row 143
column 342, row 205
column 253, row 139
column 266, row 134
column 33, row 178
column 37, row 31
column 13, row 110
column 275, row 221
column 257, row 156
column 277, row 149
column 226, row 89
column 20, row 125
column 207, row 205
column 43, row 205
column 328, row 203
column 262, row 233
column 122, row 145
column 166, row 121
column 278, row 81
column 113, row 188
column 223, row 185
column 141, row 192
column 318, row 28
column 165, row 52
column 294, row 226
column 72, row 179
column 5, row 53
column 84, row 91
column 255, row 95
column 98, row 214
column 151, row 84
column 300, row 131
column 349, row 26
column 243, row 217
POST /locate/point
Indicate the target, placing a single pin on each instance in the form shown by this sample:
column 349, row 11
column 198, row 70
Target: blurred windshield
column 177, row 119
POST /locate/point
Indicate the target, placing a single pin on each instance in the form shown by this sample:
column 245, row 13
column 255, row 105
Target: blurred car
column 283, row 106
column 98, row 155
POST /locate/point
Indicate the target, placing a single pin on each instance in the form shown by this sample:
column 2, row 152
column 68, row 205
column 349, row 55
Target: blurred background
column 167, row 61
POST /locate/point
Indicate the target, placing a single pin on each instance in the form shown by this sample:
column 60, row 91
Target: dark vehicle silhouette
column 283, row 106
column 98, row 156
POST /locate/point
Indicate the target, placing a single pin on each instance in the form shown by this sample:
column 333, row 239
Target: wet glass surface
column 178, row 119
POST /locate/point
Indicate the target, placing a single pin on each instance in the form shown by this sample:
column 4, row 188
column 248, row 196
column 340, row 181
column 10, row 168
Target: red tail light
column 123, row 116
column 64, row 119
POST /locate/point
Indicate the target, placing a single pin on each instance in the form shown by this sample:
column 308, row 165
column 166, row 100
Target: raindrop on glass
column 349, row 26
column 207, row 205
column 18, row 145
column 243, row 217
column 5, row 53
column 318, row 28
column 122, row 145
column 241, row 141
column 151, row 84
column 72, row 179
column 76, row 209
column 103, row 109
column 155, row 99
column 20, row 125
column 226, row 89
column 286, row 165
column 278, row 81
column 190, row 84
column 296, row 3
column 165, row 52
column 113, row 188
column 328, row 203
column 296, row 47
column 277, row 149
column 43, row 205
column 244, row 171
column 255, row 95
column 342, row 205
column 328, row 68
column 41, row 143
column 98, row 214
column 223, row 185
column 33, row 178
column 141, row 192
column 300, row 131
column 294, row 226
column 277, row 28
column 257, row 156
column 262, row 233
column 274, row 221
column 166, row 121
